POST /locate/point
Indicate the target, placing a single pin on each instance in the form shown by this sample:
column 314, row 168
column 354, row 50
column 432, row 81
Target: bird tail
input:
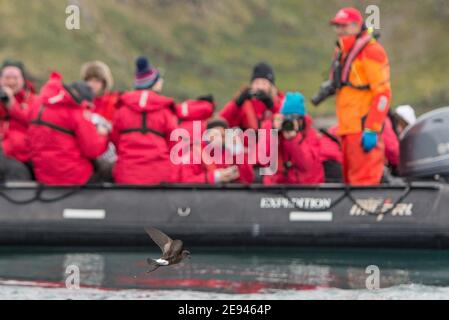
column 153, row 265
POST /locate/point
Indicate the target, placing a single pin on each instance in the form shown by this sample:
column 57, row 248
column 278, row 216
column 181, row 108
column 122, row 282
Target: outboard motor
column 425, row 147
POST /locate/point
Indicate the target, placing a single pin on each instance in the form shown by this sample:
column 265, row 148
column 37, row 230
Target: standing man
column 360, row 78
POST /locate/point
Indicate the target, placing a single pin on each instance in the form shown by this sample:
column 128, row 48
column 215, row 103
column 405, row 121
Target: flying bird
column 172, row 250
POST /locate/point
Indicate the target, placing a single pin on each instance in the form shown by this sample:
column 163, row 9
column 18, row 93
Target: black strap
column 349, row 84
column 144, row 128
column 343, row 64
column 331, row 136
column 39, row 122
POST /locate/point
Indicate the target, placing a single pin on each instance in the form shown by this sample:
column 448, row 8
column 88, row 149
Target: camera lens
column 288, row 125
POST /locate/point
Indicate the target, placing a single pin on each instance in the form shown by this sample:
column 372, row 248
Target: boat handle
column 184, row 212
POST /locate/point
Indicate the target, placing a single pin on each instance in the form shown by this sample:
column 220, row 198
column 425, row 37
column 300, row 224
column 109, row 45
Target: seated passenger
column 299, row 158
column 62, row 138
column 99, row 78
column 192, row 120
column 404, row 116
column 219, row 161
column 256, row 103
column 395, row 125
column 15, row 106
column 141, row 131
column 331, row 155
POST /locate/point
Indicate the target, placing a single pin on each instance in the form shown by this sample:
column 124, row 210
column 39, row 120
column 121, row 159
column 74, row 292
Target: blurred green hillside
column 210, row 46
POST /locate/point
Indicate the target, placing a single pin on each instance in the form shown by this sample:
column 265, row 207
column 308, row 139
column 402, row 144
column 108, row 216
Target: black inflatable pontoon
column 330, row 215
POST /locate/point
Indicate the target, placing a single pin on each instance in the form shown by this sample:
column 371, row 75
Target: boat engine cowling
column 425, row 147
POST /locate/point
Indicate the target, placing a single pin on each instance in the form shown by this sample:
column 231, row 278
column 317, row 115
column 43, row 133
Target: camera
column 289, row 123
column 4, row 98
column 327, row 90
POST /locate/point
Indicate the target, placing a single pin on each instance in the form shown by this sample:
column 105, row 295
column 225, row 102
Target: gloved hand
column 245, row 95
column 265, row 98
column 208, row 98
column 369, row 140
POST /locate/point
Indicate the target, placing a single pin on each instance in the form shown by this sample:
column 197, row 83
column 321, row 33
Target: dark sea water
column 223, row 273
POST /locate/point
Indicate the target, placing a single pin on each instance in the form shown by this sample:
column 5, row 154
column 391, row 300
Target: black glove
column 208, row 98
column 265, row 99
column 245, row 95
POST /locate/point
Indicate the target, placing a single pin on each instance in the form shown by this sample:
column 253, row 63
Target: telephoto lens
column 327, row 90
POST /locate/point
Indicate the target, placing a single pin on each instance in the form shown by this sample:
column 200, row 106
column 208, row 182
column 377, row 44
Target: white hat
column 406, row 113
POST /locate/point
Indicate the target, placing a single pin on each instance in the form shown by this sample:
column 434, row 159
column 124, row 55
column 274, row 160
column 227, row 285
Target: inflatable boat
column 409, row 214
column 413, row 215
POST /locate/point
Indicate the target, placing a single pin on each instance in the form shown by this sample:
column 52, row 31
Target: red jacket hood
column 137, row 101
column 192, row 110
column 53, row 93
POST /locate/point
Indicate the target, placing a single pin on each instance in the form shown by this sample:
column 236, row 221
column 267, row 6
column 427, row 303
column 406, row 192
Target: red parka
column 15, row 125
column 330, row 149
column 299, row 159
column 106, row 105
column 141, row 134
column 62, row 138
column 192, row 116
column 251, row 114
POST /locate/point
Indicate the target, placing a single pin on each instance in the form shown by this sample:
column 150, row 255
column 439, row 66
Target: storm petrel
column 172, row 250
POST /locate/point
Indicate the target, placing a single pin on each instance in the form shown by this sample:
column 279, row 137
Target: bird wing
column 161, row 239
column 175, row 250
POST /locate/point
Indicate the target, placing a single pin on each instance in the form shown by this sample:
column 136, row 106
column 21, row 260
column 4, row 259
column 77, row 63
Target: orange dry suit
column 363, row 96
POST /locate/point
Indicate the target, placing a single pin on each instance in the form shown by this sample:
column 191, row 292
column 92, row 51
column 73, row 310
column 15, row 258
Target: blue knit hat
column 146, row 75
column 294, row 104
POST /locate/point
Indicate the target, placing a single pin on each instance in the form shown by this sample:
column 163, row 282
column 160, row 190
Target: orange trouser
column 359, row 167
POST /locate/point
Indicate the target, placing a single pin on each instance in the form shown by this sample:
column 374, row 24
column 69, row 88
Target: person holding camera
column 299, row 159
column 16, row 101
column 256, row 103
column 360, row 78
column 62, row 135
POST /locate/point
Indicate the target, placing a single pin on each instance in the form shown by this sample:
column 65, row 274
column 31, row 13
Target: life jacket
column 341, row 68
column 39, row 122
column 143, row 129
